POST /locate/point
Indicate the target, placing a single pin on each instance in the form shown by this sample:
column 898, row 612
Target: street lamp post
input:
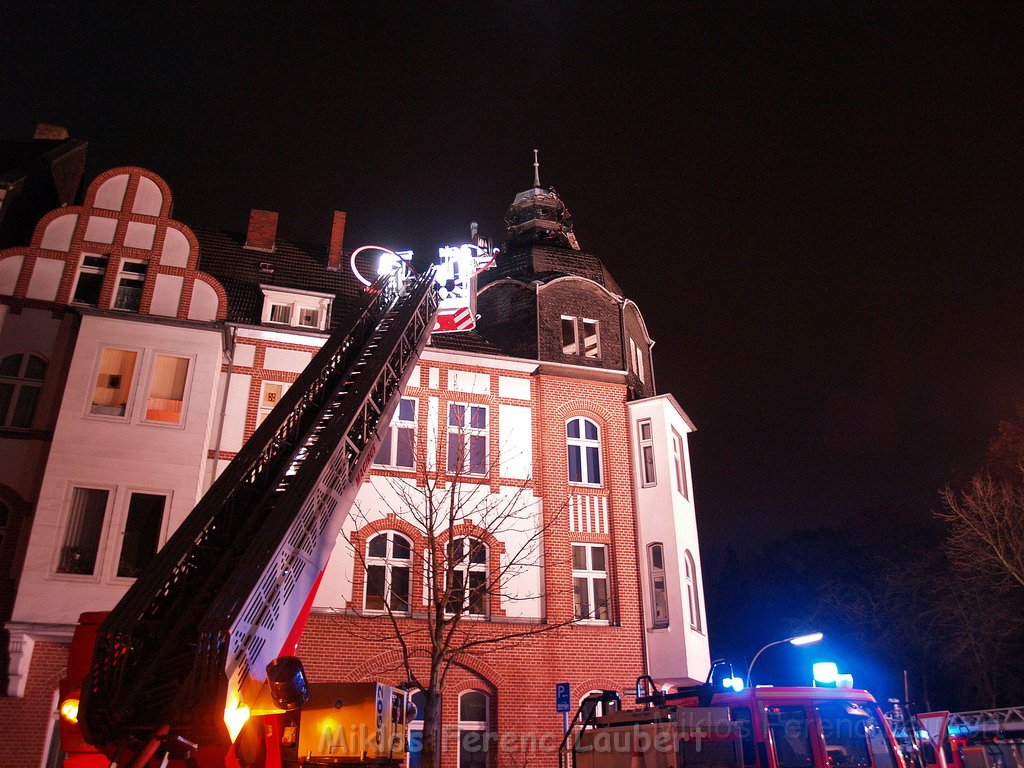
column 813, row 637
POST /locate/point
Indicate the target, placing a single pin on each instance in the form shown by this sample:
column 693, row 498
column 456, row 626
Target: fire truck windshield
column 854, row 735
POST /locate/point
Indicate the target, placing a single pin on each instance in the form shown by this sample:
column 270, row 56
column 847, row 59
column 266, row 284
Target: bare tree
column 986, row 529
column 477, row 547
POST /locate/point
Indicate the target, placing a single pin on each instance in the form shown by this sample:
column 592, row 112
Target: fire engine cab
column 761, row 727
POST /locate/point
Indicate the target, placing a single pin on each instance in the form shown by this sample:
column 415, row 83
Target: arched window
column 659, row 584
column 468, row 593
column 473, row 722
column 21, row 380
column 692, row 593
column 388, row 567
column 583, row 439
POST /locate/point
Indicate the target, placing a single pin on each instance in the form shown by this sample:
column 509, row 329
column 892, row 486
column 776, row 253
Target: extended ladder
column 195, row 632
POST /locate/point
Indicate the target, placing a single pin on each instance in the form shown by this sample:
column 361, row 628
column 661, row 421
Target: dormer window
column 296, row 308
column 580, row 337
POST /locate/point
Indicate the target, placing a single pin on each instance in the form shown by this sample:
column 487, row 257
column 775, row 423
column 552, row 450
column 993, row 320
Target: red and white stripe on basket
column 458, row 319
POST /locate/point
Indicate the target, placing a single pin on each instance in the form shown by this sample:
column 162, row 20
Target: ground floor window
column 473, row 706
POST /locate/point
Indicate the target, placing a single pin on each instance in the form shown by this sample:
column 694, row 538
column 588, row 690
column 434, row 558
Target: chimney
column 262, row 232
column 51, row 132
column 337, row 238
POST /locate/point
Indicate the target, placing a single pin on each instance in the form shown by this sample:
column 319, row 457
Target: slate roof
column 546, row 262
column 466, row 341
column 294, row 265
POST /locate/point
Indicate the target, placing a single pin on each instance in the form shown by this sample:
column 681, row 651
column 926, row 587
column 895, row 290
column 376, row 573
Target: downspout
column 229, row 348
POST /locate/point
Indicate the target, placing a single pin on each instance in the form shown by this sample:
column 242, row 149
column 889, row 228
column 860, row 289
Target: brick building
column 137, row 355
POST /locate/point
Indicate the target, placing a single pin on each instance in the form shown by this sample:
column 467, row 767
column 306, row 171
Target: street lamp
column 813, row 637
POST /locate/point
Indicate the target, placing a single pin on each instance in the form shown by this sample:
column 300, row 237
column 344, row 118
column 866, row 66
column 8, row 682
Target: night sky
column 817, row 210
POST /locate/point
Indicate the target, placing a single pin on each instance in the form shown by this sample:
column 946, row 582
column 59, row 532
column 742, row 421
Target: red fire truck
column 194, row 665
column 761, row 727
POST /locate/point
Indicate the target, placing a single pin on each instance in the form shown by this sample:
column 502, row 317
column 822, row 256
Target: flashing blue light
column 825, row 672
column 733, row 683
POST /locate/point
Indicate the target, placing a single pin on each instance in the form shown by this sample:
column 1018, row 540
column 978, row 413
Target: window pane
column 472, row 749
column 590, row 346
column 572, row 429
column 141, row 533
column 575, row 464
column 10, row 366
column 657, row 561
column 168, row 389
column 114, row 382
column 581, row 598
column 401, row 549
column 473, row 707
column 407, row 409
column 569, row 336
column 406, row 454
column 477, row 455
column 82, row 538
column 6, row 392
column 791, row 736
column 399, row 589
column 308, row 317
column 384, row 452
column 477, row 593
column 601, row 599
column 589, row 429
column 660, row 602
column 457, row 595
column 478, row 417
column 593, row 465
column 35, row 368
column 648, row 458
column 579, row 558
column 455, row 453
column 597, row 559
column 456, row 415
column 645, row 430
column 26, row 407
column 477, row 552
column 280, row 313
column 375, row 588
column 88, row 289
column 378, row 546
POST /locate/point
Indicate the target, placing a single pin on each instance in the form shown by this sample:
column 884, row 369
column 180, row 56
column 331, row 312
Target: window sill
column 592, row 622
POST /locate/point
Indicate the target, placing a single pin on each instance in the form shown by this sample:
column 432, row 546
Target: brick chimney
column 262, row 232
column 337, row 238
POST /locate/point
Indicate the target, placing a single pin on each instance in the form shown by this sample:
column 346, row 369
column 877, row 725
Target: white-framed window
column 271, row 393
column 130, row 281
column 83, row 531
column 581, row 336
column 140, row 536
column 168, row 385
column 692, row 591
column 296, row 308
column 468, row 593
column 467, row 439
column 90, row 279
column 114, row 382
column 590, row 582
column 280, row 313
column 659, row 585
column 21, row 381
column 398, row 443
column 645, row 435
column 474, row 714
column 583, row 446
column 679, row 461
column 309, row 317
column 388, row 572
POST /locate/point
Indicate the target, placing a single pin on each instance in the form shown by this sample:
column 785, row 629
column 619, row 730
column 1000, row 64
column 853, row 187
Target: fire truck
column 762, row 727
column 982, row 738
column 194, row 666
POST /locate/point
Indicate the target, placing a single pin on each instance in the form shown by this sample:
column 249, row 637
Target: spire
column 536, row 170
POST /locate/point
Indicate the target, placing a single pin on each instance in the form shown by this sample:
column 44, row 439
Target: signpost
column 563, row 703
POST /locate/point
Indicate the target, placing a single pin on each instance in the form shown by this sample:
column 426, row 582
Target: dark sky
column 818, row 210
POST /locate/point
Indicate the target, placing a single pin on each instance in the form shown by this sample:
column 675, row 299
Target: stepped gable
column 289, row 265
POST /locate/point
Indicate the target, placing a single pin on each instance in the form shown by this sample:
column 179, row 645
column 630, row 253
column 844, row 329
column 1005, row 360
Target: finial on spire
column 536, row 170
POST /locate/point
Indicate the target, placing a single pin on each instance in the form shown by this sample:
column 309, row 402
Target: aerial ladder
column 179, row 666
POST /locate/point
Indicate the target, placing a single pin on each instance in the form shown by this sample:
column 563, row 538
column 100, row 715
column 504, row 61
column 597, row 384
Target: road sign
column 562, row 698
column 935, row 724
